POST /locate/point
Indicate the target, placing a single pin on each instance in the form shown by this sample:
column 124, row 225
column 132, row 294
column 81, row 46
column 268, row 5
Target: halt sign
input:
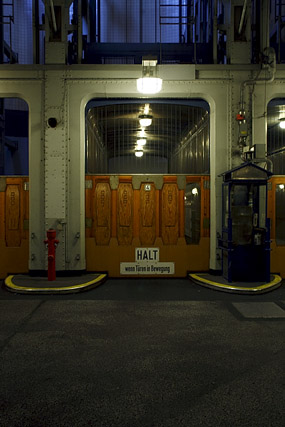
column 147, row 254
column 147, row 262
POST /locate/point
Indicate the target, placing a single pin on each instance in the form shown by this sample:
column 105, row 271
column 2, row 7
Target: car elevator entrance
column 147, row 187
column 147, row 224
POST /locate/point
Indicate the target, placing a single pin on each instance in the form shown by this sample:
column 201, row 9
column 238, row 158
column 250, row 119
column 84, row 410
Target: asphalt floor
column 143, row 352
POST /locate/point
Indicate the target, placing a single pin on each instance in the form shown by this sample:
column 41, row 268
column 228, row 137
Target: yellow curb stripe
column 9, row 283
column 277, row 279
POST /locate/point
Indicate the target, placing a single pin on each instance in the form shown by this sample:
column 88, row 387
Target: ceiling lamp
column 139, row 152
column 145, row 120
column 141, row 142
column 282, row 123
column 149, row 83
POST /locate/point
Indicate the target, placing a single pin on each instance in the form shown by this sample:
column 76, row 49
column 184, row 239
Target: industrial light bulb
column 145, row 120
column 282, row 123
column 141, row 142
column 149, row 85
column 139, row 153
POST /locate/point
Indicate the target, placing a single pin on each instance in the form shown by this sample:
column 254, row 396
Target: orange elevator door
column 147, row 224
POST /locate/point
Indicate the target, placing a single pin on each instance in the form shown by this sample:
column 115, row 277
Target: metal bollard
column 51, row 243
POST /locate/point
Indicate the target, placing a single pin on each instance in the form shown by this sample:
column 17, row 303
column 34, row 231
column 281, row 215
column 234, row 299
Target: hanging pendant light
column 139, row 152
column 149, row 83
column 141, row 142
column 282, row 123
column 145, row 120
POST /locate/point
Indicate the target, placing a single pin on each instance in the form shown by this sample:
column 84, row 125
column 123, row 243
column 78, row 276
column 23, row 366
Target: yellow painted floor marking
column 10, row 284
column 277, row 279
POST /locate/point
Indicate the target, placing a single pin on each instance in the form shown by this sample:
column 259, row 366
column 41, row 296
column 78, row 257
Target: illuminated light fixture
column 142, row 133
column 141, row 142
column 139, row 152
column 145, row 120
column 194, row 191
column 146, row 109
column 149, row 83
column 281, row 186
column 282, row 123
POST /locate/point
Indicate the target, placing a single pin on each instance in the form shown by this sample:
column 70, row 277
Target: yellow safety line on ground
column 277, row 279
column 10, row 284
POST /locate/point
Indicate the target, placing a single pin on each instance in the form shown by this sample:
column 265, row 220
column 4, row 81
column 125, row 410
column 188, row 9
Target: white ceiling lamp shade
column 282, row 123
column 141, row 142
column 149, row 83
column 139, row 152
column 145, row 120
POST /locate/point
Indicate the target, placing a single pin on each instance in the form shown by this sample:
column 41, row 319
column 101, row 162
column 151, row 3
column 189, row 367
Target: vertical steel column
column 79, row 32
column 56, row 162
column 36, row 33
column 264, row 31
column 279, row 32
column 141, row 22
column 1, row 33
column 77, row 13
column 189, row 28
column 92, row 22
column 98, row 21
column 205, row 5
column 215, row 32
column 180, row 22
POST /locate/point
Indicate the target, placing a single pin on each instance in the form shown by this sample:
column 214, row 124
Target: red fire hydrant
column 51, row 243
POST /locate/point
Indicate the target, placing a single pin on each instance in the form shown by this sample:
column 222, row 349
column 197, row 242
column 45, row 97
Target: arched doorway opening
column 147, row 186
column 276, row 192
column 14, row 185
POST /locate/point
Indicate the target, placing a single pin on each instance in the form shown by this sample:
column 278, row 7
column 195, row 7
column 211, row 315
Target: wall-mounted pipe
column 270, row 66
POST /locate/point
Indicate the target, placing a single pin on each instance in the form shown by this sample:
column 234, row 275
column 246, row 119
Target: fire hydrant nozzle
column 51, row 243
